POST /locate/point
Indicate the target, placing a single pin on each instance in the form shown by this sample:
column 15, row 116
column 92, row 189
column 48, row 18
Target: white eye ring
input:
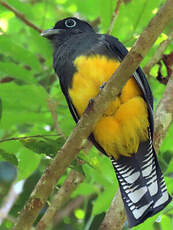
column 70, row 23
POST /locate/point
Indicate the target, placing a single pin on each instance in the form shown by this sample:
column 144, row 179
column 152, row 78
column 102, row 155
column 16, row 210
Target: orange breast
column 125, row 123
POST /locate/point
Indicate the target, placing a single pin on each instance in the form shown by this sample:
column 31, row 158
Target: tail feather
column 142, row 185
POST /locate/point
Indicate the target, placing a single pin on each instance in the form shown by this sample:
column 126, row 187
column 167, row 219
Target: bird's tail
column 142, row 185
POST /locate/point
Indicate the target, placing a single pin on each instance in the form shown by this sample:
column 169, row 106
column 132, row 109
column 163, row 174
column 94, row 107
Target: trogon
column 84, row 61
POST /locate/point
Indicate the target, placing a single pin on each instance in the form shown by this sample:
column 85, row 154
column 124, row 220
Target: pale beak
column 50, row 32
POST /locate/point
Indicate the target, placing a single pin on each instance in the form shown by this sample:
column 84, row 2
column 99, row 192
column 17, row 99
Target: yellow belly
column 125, row 123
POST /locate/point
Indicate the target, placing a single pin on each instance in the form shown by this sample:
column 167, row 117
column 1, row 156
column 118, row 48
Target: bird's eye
column 70, row 23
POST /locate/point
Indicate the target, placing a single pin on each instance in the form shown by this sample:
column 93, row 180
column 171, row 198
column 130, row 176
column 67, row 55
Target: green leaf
column 11, row 147
column 170, row 168
column 168, row 181
column 101, row 165
column 5, row 156
column 41, row 46
column 95, row 175
column 85, row 189
column 167, row 142
column 24, row 104
column 148, row 224
column 44, row 145
column 17, row 72
column 24, row 8
column 154, row 70
column 17, row 52
column 27, row 163
column 166, row 222
column 133, row 18
column 106, row 11
column 103, row 201
column 157, row 89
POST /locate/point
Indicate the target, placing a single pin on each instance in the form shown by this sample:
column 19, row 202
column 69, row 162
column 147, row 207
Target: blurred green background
column 29, row 90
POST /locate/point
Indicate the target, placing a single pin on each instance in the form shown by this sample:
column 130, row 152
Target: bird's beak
column 50, row 32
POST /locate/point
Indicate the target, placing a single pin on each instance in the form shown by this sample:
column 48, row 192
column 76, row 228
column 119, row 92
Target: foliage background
column 29, row 90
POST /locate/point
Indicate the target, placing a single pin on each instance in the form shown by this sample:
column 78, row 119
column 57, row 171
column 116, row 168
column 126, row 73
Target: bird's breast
column 124, row 124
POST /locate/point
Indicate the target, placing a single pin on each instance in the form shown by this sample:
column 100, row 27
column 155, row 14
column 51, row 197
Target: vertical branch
column 114, row 16
column 164, row 114
column 116, row 216
column 52, row 107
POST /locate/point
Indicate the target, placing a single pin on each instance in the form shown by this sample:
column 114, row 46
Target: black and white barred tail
column 142, row 185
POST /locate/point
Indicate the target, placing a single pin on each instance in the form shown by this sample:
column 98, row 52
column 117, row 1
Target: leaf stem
column 21, row 16
column 26, row 137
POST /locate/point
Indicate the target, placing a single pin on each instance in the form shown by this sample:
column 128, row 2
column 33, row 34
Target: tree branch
column 116, row 216
column 158, row 54
column 92, row 114
column 63, row 195
column 114, row 16
column 21, row 16
column 164, row 114
column 72, row 181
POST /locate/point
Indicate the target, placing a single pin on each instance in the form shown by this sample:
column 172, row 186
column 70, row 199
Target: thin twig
column 63, row 195
column 92, row 114
column 74, row 204
column 158, row 54
column 21, row 16
column 114, row 16
column 26, row 137
column 164, row 114
column 95, row 22
column 52, row 107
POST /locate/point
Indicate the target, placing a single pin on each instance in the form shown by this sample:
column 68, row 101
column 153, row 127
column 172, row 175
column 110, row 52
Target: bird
column 84, row 61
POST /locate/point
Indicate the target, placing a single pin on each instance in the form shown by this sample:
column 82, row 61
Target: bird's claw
column 102, row 86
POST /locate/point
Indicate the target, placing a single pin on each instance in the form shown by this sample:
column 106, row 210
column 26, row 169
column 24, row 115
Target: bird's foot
column 102, row 86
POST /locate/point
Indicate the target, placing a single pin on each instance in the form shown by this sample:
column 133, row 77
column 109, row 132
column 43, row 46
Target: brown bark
column 164, row 114
column 72, row 181
column 116, row 215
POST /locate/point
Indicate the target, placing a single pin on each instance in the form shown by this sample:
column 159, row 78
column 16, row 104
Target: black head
column 67, row 26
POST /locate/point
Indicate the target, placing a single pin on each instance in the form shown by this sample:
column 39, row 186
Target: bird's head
column 67, row 27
